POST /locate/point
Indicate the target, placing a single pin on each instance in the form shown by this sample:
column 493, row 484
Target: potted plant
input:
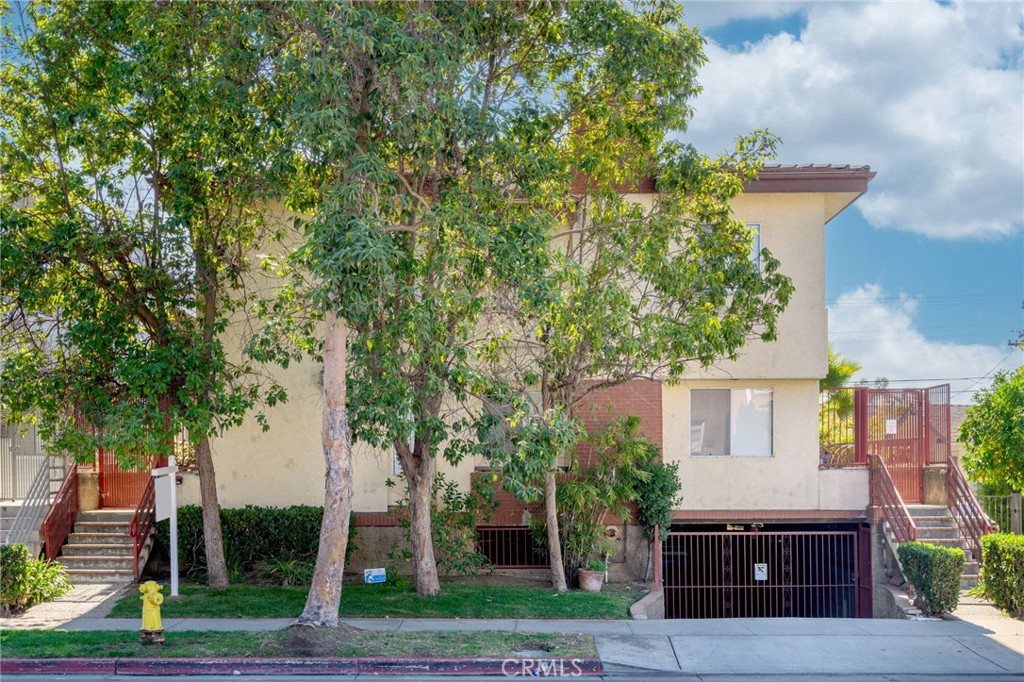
column 592, row 577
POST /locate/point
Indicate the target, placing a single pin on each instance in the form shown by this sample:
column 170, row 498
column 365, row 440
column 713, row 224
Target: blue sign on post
column 375, row 575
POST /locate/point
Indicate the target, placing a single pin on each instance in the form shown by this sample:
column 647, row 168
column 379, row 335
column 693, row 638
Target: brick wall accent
column 640, row 397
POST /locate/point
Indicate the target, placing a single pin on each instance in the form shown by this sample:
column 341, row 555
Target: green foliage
column 587, row 494
column 359, row 600
column 1002, row 571
column 657, row 492
column 934, row 571
column 136, row 150
column 287, row 572
column 262, row 540
column 353, row 643
column 526, row 446
column 835, row 411
column 455, row 516
column 466, row 166
column 26, row 581
column 993, row 432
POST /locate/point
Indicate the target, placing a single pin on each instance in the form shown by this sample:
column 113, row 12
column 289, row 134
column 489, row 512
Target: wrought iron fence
column 509, row 547
column 21, row 456
column 762, row 575
column 1005, row 510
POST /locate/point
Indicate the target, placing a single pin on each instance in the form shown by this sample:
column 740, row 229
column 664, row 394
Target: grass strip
column 391, row 600
column 330, row 642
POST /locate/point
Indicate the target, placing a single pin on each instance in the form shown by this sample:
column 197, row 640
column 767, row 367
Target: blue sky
column 925, row 272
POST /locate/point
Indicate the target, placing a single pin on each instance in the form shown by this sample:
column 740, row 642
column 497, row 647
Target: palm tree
column 835, row 417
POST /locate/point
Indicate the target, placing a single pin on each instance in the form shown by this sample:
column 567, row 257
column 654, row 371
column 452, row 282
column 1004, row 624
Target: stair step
column 100, row 527
column 96, row 549
column 943, row 542
column 934, row 522
column 123, row 516
column 100, row 538
column 97, row 562
column 928, row 534
column 927, row 510
column 92, row 576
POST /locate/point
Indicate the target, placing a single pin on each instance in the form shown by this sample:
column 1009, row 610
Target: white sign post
column 166, row 488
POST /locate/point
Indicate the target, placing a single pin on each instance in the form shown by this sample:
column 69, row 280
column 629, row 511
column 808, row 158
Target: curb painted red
column 68, row 666
column 510, row 667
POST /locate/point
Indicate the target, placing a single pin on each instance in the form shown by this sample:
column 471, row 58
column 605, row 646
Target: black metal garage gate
column 808, row 574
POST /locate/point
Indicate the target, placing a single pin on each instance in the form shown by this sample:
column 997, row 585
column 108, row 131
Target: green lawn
column 303, row 642
column 393, row 600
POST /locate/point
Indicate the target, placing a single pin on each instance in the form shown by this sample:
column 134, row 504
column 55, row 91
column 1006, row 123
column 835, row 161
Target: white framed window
column 755, row 244
column 731, row 422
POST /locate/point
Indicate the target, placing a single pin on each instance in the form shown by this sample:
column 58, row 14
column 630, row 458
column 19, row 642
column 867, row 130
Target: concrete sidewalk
column 977, row 641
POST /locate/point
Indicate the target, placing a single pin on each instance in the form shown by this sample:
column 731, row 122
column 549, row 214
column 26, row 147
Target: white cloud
column 880, row 333
column 707, row 14
column 931, row 96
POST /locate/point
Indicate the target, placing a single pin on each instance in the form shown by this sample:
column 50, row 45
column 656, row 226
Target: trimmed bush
column 255, row 538
column 934, row 571
column 25, row 581
column 1002, row 571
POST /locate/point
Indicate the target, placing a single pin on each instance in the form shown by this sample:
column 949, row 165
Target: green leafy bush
column 25, row 581
column 271, row 536
column 934, row 572
column 1002, row 571
column 285, row 572
column 454, row 518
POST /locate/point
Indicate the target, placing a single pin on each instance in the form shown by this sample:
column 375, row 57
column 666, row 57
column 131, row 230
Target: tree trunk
column 554, row 542
column 216, row 568
column 324, row 597
column 419, row 470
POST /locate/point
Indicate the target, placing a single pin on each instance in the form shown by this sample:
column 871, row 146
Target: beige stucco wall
column 792, row 228
column 281, row 466
column 285, row 465
column 788, row 480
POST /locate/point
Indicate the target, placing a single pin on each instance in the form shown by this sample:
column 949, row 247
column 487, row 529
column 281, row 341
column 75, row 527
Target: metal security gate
column 809, row 574
column 908, row 428
column 122, row 488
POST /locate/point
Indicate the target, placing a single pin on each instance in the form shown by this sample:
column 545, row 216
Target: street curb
column 509, row 667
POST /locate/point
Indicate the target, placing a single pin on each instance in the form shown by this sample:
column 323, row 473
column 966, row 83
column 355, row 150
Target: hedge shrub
column 25, row 580
column 1002, row 571
column 934, row 571
column 253, row 537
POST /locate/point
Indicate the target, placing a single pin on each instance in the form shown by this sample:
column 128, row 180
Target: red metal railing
column 885, row 497
column 61, row 517
column 142, row 523
column 966, row 510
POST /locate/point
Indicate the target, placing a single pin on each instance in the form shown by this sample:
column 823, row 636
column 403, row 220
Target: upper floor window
column 731, row 422
column 755, row 244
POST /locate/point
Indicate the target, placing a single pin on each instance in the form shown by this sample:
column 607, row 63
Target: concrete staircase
column 56, row 470
column 99, row 549
column 935, row 525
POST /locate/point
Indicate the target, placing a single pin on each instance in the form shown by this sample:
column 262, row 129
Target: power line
column 905, row 381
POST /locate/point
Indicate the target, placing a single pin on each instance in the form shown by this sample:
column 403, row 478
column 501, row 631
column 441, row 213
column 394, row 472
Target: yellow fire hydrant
column 152, row 631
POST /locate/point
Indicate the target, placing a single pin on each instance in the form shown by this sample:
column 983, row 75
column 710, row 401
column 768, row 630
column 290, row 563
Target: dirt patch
column 301, row 641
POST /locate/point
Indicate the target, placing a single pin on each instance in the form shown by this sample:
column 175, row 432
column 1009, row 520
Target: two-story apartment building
column 755, row 507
